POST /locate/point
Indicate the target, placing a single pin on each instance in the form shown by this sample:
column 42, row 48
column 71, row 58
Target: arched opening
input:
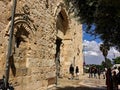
column 62, row 25
column 20, row 35
column 62, row 22
column 57, row 56
column 23, row 31
column 20, row 44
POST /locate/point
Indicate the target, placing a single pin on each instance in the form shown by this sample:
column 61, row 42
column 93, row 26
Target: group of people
column 93, row 72
column 113, row 78
column 73, row 70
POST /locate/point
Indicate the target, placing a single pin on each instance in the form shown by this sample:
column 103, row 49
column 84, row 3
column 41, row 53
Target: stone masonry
column 46, row 40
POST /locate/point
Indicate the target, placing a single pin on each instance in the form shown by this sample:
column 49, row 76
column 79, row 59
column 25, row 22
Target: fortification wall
column 36, row 29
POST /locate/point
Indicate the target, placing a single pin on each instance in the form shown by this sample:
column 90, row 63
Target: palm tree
column 104, row 48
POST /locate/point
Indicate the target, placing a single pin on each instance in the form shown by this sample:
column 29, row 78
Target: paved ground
column 84, row 83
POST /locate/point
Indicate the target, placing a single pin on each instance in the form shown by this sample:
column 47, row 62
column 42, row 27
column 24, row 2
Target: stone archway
column 62, row 25
column 62, row 22
column 23, row 31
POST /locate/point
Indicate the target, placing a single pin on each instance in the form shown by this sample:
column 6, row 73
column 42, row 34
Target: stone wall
column 38, row 24
column 70, row 34
column 71, row 50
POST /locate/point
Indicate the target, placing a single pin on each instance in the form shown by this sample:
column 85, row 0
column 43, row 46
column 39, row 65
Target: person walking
column 116, row 70
column 109, row 81
column 77, row 72
column 115, row 83
column 104, row 73
column 90, row 72
column 99, row 72
column 71, row 70
column 118, row 76
column 95, row 72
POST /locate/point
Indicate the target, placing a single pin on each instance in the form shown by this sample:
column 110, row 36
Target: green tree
column 117, row 60
column 103, row 64
column 108, row 62
column 104, row 14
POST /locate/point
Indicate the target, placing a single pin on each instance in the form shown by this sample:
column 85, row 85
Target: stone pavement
column 93, row 82
column 84, row 83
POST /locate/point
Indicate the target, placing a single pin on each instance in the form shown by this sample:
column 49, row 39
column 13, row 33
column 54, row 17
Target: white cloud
column 113, row 53
column 91, row 45
column 93, row 55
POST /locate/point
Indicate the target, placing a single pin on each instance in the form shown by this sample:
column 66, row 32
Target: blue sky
column 89, row 37
column 91, row 50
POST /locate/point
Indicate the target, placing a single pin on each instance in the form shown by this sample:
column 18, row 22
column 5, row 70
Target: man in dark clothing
column 77, row 72
column 99, row 72
column 109, row 81
column 71, row 70
column 90, row 72
column 118, row 76
column 95, row 72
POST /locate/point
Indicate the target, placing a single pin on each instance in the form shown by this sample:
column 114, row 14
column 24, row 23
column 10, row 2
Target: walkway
column 84, row 83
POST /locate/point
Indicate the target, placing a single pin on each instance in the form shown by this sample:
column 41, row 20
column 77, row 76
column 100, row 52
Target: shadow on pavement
column 81, row 88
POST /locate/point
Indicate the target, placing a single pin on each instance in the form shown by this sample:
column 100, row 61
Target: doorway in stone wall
column 57, row 56
column 20, row 42
column 62, row 33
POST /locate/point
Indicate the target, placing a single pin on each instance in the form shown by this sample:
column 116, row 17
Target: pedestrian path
column 92, row 82
column 84, row 83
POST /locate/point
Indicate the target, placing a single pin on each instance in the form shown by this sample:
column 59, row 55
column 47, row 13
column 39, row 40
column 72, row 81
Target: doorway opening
column 57, row 56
